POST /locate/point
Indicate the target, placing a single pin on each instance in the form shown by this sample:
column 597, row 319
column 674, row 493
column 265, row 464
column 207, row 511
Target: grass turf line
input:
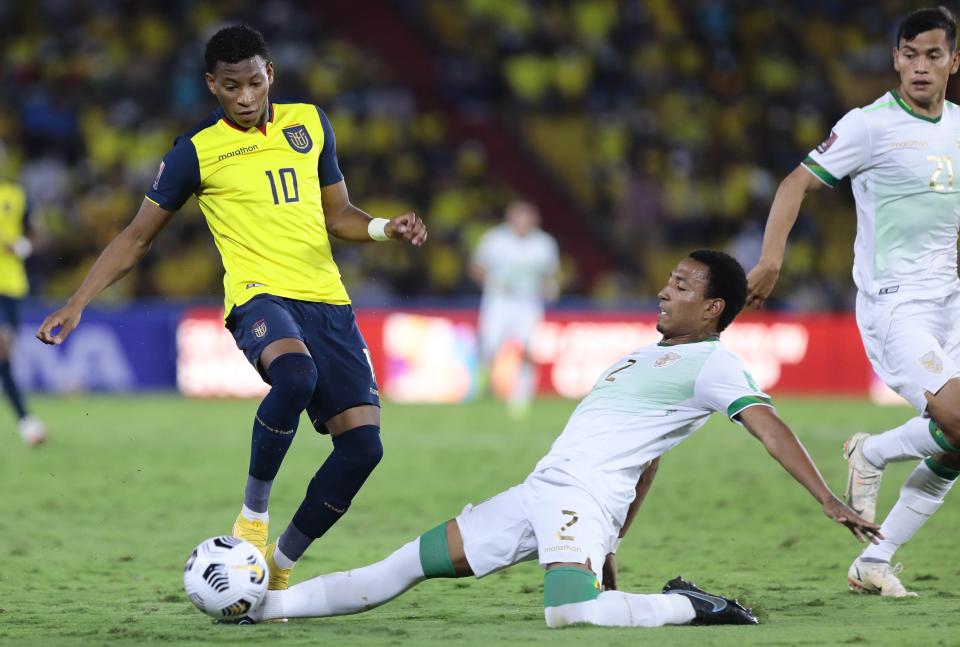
column 99, row 522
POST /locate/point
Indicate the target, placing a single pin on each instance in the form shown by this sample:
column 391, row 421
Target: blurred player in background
column 268, row 182
column 516, row 263
column 582, row 497
column 15, row 247
column 900, row 153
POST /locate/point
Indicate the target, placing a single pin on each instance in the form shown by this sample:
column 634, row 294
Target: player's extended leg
column 434, row 554
column 293, row 376
column 356, row 452
column 31, row 430
column 572, row 595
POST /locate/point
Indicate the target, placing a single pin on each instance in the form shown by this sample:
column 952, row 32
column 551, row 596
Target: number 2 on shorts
column 574, row 517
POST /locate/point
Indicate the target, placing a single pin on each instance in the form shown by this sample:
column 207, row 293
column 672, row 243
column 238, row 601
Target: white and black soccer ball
column 225, row 577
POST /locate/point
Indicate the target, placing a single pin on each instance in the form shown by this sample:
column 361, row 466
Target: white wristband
column 378, row 229
column 22, row 247
column 616, row 546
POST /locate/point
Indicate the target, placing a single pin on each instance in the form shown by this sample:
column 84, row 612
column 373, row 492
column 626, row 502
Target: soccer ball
column 225, row 577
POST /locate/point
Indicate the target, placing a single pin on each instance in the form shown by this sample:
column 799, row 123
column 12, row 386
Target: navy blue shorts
column 9, row 312
column 330, row 333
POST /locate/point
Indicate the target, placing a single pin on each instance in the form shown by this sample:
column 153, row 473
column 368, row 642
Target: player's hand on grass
column 760, row 282
column 407, row 227
column 862, row 529
column 610, row 573
column 65, row 319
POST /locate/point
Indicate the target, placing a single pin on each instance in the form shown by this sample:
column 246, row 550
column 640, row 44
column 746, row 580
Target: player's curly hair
column 927, row 20
column 727, row 281
column 233, row 44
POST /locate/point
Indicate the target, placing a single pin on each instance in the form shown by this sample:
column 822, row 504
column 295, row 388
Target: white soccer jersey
column 640, row 408
column 901, row 166
column 516, row 266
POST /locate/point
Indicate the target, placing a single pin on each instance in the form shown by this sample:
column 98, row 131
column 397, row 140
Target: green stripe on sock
column 567, row 585
column 942, row 471
column 435, row 553
column 941, row 439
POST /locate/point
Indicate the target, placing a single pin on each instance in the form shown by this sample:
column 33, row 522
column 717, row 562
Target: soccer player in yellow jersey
column 15, row 246
column 268, row 182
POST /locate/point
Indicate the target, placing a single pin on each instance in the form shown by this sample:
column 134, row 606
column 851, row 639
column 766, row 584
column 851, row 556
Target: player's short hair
column 727, row 281
column 927, row 20
column 233, row 44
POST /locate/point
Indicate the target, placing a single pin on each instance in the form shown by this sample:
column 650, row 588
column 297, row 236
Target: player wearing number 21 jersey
column 571, row 511
column 900, row 153
column 266, row 177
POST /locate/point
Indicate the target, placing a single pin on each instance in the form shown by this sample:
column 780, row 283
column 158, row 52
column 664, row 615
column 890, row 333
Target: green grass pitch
column 98, row 523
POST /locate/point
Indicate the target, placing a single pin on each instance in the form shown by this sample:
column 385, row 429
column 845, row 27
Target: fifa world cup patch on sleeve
column 156, row 181
column 299, row 138
column 827, row 143
column 259, row 328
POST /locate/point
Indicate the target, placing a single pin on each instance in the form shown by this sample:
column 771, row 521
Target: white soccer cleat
column 863, row 479
column 877, row 578
column 32, row 431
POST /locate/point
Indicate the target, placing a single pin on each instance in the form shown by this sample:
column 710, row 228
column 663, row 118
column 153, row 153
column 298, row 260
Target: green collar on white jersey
column 699, row 341
column 906, row 106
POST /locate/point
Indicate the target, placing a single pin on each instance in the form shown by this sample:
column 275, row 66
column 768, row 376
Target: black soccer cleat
column 711, row 609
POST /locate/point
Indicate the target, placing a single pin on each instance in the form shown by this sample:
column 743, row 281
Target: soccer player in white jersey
column 899, row 153
column 572, row 510
column 516, row 263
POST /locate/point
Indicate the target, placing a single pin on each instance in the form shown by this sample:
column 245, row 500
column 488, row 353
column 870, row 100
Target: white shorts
column 548, row 516
column 914, row 345
column 505, row 318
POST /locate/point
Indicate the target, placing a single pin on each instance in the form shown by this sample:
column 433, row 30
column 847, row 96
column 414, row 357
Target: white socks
column 255, row 516
column 922, row 494
column 347, row 592
column 619, row 609
column 912, row 439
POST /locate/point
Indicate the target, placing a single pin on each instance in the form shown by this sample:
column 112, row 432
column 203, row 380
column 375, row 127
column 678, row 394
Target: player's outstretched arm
column 784, row 445
column 118, row 258
column 783, row 214
column 347, row 222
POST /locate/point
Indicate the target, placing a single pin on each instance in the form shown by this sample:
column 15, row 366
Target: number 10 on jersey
column 288, row 184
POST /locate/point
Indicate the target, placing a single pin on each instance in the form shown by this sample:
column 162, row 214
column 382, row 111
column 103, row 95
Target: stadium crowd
column 683, row 116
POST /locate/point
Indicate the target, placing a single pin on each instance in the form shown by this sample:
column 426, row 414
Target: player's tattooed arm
column 348, row 222
column 784, row 446
column 118, row 258
column 783, row 214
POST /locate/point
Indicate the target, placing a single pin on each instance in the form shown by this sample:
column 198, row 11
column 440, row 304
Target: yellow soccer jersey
column 259, row 189
column 13, row 220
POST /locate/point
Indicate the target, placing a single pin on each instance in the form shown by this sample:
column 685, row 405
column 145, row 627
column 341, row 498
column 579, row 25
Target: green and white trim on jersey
column 902, row 170
column 641, row 407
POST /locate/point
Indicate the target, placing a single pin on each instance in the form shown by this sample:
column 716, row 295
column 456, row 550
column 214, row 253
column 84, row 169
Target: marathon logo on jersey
column 156, row 182
column 667, row 359
column 243, row 150
column 932, row 363
column 259, row 328
column 298, row 138
column 827, row 143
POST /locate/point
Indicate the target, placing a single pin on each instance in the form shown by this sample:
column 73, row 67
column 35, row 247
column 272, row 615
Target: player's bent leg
column 356, row 453
column 572, row 596
column 921, row 496
column 437, row 553
column 944, row 409
column 292, row 374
